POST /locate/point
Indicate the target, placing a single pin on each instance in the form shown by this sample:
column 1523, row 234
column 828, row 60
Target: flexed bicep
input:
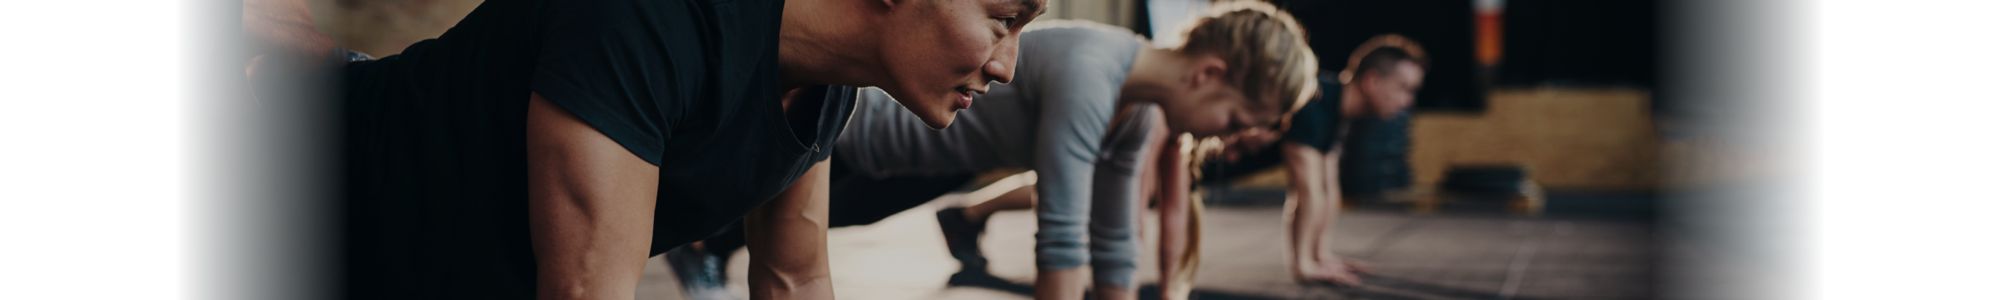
column 590, row 207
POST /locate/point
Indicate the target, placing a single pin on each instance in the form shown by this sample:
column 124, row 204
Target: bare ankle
column 972, row 216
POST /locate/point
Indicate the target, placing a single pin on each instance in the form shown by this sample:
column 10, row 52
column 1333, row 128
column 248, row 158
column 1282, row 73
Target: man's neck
column 818, row 44
column 1350, row 102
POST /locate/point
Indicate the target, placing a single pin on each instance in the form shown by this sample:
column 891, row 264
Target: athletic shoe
column 700, row 273
column 961, row 236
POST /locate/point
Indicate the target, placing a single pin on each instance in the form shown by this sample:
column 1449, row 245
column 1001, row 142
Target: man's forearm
column 772, row 282
column 1305, row 167
column 773, row 275
column 1330, row 178
column 787, row 241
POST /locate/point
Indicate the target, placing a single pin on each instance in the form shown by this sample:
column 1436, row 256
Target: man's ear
column 1365, row 81
column 1207, row 70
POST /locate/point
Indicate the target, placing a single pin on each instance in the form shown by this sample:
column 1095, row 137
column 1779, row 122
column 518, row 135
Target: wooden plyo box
column 1429, row 199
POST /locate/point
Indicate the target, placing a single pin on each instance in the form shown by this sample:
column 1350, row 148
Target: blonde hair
column 1382, row 52
column 1265, row 48
column 1198, row 151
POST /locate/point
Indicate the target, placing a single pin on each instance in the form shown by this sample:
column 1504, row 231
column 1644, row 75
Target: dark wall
column 1580, row 42
column 1545, row 42
column 1444, row 27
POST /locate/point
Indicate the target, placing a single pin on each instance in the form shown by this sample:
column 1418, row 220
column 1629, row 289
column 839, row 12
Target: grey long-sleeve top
column 1055, row 118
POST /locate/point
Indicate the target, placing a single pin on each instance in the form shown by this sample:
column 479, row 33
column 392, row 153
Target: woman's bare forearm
column 1175, row 182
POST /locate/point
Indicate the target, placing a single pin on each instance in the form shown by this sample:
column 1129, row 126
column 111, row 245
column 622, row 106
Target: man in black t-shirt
column 547, row 148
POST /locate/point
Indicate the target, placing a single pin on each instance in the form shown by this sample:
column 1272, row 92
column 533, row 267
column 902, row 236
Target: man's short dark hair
column 1383, row 52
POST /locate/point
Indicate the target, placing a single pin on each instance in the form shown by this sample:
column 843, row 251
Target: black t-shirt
column 1319, row 124
column 435, row 166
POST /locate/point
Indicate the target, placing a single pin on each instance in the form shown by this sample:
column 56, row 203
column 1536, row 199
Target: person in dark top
column 1381, row 81
column 545, row 148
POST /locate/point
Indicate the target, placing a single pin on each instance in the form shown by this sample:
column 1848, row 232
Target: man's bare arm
column 590, row 207
column 787, row 241
column 1304, row 164
column 1330, row 176
column 1305, row 209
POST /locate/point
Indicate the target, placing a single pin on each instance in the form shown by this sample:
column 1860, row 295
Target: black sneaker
column 961, row 236
column 700, row 273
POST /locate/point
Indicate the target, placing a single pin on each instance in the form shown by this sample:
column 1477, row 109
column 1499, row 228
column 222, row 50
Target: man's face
column 940, row 53
column 1392, row 90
